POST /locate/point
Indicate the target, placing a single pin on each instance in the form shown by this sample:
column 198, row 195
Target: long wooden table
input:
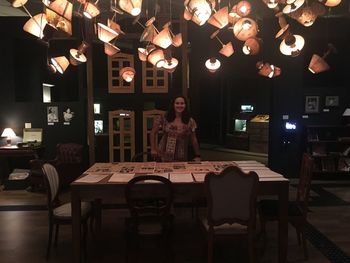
column 106, row 180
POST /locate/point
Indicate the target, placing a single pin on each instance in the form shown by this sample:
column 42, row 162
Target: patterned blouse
column 173, row 145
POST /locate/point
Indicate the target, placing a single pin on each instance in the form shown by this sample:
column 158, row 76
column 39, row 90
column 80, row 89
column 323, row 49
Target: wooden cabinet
column 121, row 135
column 330, row 147
column 258, row 130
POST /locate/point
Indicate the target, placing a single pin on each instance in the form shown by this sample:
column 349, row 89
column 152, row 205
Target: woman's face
column 179, row 105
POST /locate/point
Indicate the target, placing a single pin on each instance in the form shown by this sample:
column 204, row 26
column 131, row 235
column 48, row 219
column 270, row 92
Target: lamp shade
column 156, row 58
column 110, row 49
column 9, row 134
column 58, row 22
column 243, row 8
column 212, row 64
column 60, row 63
column 170, row 65
column 220, row 18
column 19, row 3
column 105, row 33
column 77, row 55
column 115, row 27
column 308, row 14
column 267, row 70
column 59, row 15
column 177, row 40
column 245, row 28
column 293, row 6
column 163, row 39
column 36, row 25
column 271, row 3
column 331, row 3
column 347, row 112
column 200, row 9
column 63, row 8
column 148, row 33
column 292, row 45
column 227, row 49
column 318, row 64
column 133, row 7
column 142, row 52
column 346, row 117
column 90, row 10
column 127, row 73
column 251, row 46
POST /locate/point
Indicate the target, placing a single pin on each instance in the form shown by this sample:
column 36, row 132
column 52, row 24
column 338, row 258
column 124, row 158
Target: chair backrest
column 149, row 195
column 52, row 182
column 305, row 179
column 231, row 196
column 69, row 153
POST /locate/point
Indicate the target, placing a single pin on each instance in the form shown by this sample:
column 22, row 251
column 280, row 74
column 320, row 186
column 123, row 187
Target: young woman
column 178, row 129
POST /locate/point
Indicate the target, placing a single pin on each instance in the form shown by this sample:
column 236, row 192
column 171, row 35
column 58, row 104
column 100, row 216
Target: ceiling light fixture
column 318, row 64
column 212, row 64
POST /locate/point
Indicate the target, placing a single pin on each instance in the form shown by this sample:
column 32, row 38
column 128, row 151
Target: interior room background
column 214, row 98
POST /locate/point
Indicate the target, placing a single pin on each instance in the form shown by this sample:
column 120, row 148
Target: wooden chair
column 297, row 210
column 68, row 162
column 150, row 205
column 231, row 197
column 60, row 214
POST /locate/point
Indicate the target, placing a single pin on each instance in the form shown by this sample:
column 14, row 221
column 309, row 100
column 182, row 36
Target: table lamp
column 9, row 133
column 346, row 116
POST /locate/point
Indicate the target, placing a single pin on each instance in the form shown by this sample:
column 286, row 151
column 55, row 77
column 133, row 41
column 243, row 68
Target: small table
column 7, row 152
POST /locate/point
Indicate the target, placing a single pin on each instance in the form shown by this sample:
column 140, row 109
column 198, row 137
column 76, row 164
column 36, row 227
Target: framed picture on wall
column 312, row 104
column 332, row 101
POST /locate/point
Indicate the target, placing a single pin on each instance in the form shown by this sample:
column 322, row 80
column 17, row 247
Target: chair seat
column 270, row 208
column 226, row 229
column 65, row 210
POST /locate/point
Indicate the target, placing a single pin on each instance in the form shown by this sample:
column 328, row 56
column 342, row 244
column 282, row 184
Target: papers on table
column 177, row 172
column 92, row 177
column 199, row 177
column 120, row 178
column 180, row 177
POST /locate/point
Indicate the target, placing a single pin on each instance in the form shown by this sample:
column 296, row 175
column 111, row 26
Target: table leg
column 76, row 218
column 98, row 214
column 283, row 223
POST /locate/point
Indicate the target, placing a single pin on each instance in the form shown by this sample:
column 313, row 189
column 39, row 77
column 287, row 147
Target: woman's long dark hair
column 185, row 116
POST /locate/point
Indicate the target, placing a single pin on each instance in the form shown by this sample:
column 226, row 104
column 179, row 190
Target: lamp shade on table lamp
column 346, row 117
column 9, row 134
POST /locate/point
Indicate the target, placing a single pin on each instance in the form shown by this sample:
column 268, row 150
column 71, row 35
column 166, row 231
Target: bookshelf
column 330, row 148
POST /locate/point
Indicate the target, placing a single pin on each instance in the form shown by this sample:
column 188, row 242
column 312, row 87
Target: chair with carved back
column 60, row 213
column 297, row 210
column 231, row 199
column 149, row 199
column 68, row 162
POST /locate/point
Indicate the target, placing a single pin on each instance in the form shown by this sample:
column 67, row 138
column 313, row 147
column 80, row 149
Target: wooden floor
column 23, row 232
